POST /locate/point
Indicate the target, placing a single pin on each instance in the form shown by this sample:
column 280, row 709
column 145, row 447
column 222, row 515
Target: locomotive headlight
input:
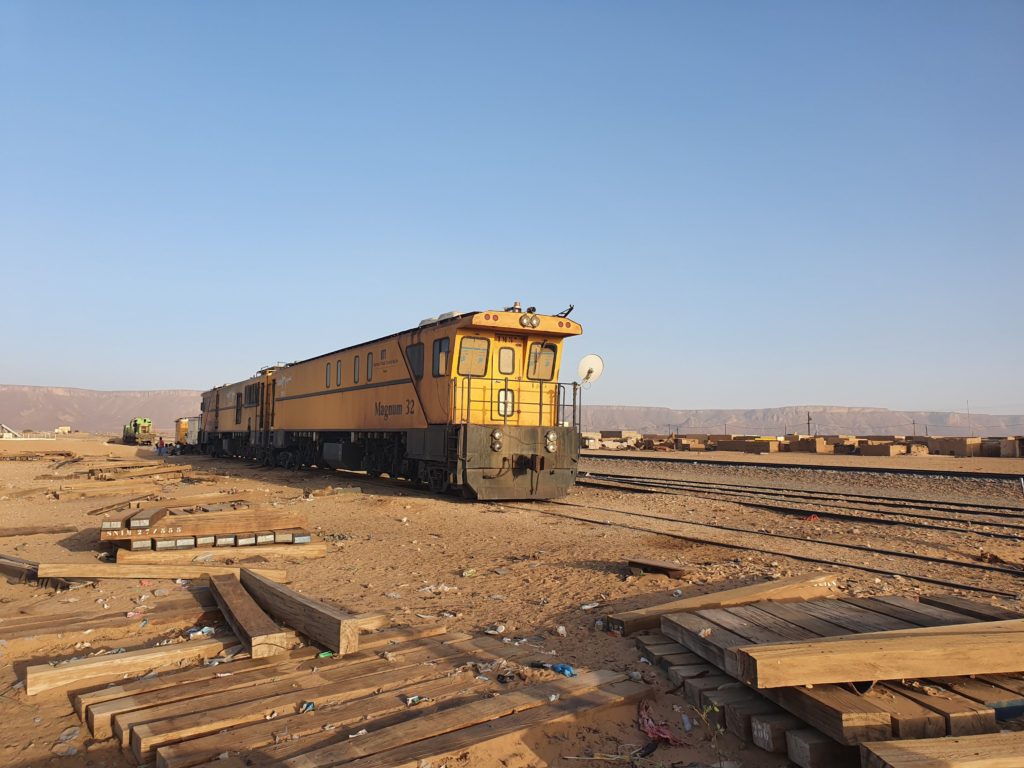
column 551, row 436
column 496, row 435
column 524, row 321
column 534, row 321
column 496, row 445
column 550, row 447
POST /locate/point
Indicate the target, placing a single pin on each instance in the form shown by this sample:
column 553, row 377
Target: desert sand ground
column 404, row 552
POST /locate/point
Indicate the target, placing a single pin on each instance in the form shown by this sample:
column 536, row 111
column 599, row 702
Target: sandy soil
column 403, row 552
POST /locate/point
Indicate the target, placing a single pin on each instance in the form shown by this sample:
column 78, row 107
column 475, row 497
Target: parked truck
column 138, row 431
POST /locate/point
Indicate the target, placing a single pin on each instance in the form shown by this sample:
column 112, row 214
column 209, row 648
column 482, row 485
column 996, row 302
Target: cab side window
column 442, row 351
column 355, row 369
column 473, row 356
column 414, row 354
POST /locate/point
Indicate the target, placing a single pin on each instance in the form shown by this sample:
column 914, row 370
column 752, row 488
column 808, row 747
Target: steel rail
column 804, row 513
column 1010, row 476
column 731, row 495
column 782, row 553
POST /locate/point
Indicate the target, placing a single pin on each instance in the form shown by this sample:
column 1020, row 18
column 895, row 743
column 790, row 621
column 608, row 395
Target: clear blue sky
column 750, row 204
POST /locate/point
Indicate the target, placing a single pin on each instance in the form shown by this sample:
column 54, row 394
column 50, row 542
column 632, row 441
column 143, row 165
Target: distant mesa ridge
column 825, row 420
column 88, row 410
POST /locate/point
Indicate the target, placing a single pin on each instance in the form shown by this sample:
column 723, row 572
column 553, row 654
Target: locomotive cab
column 513, row 426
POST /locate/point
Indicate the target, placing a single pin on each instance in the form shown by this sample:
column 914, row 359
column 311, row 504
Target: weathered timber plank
column 325, row 624
column 810, row 748
column 454, row 719
column 780, row 628
column 43, row 677
column 768, row 731
column 983, row 611
column 852, row 617
column 127, row 571
column 389, row 637
column 36, row 530
column 144, row 518
column 183, row 502
column 63, row 627
column 982, row 648
column 211, row 523
column 694, row 688
column 147, row 736
column 208, row 701
column 922, row 614
column 836, row 712
column 752, row 633
column 315, row 728
column 679, row 674
column 438, row 748
column 174, row 686
column 257, row 631
column 987, row 691
column 997, row 750
column 143, row 730
column 964, row 717
column 655, row 651
column 705, row 638
column 794, row 588
column 739, row 715
column 119, row 505
column 679, row 660
column 713, row 703
column 794, row 614
column 171, row 686
column 910, row 720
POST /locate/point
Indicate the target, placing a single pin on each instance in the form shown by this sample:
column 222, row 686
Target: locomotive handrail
column 553, row 400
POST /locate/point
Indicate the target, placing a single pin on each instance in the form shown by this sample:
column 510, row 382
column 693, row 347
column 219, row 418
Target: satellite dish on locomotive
column 590, row 369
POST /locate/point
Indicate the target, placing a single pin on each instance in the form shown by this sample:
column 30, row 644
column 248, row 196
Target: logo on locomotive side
column 385, row 409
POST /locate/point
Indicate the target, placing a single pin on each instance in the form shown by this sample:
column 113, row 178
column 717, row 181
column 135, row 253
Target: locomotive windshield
column 542, row 361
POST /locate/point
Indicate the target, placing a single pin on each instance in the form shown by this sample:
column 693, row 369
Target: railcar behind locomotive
column 467, row 401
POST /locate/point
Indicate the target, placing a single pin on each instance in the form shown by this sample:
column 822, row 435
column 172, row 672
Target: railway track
column 958, row 574
column 888, row 501
column 963, row 474
column 990, row 521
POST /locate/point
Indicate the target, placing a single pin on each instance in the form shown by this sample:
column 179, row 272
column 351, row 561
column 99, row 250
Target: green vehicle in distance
column 138, row 432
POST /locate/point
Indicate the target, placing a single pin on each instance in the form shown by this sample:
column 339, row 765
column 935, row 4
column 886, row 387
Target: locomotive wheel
column 438, row 480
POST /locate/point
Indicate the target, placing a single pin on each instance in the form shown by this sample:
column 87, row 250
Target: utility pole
column 914, row 422
column 808, row 422
column 970, row 429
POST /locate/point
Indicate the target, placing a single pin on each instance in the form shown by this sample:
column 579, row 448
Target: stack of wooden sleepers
column 879, row 681
column 111, row 476
column 35, row 455
column 391, row 697
column 98, row 476
column 229, row 524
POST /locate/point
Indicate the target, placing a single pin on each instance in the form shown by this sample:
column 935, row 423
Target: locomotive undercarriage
column 441, row 458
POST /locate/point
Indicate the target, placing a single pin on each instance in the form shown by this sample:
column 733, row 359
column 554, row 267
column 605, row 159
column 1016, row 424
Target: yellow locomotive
column 469, row 401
